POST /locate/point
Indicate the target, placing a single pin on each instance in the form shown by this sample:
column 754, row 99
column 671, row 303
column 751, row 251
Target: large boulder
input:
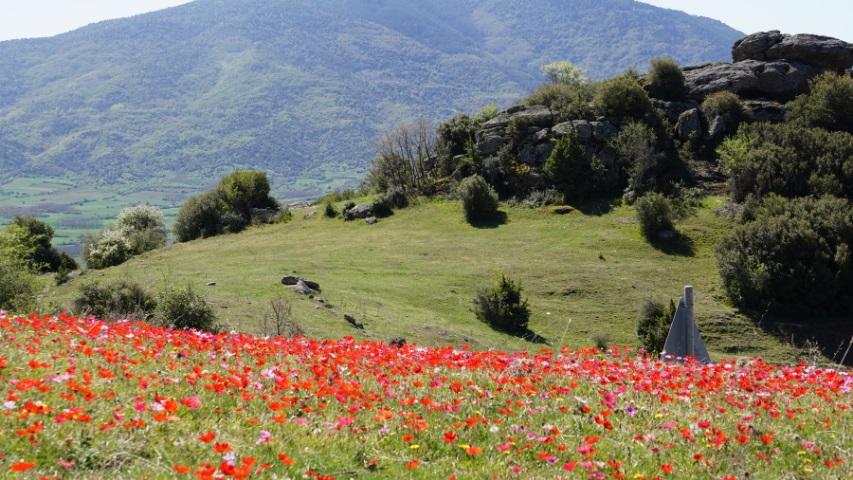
column 688, row 123
column 750, row 78
column 358, row 211
column 766, row 111
column 824, row 52
column 536, row 115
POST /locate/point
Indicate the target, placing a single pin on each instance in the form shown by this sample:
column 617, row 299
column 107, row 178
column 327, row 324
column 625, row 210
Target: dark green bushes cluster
column 241, row 199
column 665, row 80
column 28, row 241
column 18, row 285
column 568, row 100
column 788, row 160
column 792, row 254
column 479, row 200
column 623, row 98
column 573, row 171
column 653, row 325
column 829, row 104
column 181, row 308
column 502, row 307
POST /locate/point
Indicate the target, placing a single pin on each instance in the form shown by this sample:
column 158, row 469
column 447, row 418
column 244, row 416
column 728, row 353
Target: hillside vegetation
column 415, row 274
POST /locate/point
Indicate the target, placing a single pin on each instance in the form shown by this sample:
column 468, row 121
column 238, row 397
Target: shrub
column 183, row 308
column 791, row 254
column 666, row 80
column 654, row 213
column 143, row 226
column 479, row 200
column 638, row 156
column 653, row 325
column 725, row 104
column 828, row 105
column 233, row 222
column 570, row 101
column 622, row 98
column 244, row 190
column 502, row 307
column 396, row 198
column 17, row 285
column 120, row 299
column 329, row 210
column 543, row 198
column 108, row 249
column 789, row 160
column 199, row 217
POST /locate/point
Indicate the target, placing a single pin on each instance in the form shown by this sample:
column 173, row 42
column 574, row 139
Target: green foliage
column 245, row 190
column 199, row 217
column 393, row 199
column 569, row 100
column 789, row 160
column 568, row 166
column 184, row 308
column 479, row 200
column 502, row 306
column 666, row 80
column 564, row 73
column 654, row 212
column 340, row 196
column 635, row 146
column 828, row 105
column 29, row 240
column 622, row 98
column 17, row 285
column 486, row 113
column 114, row 300
column 653, row 325
column 725, row 104
column 542, row 198
column 790, row 254
column 329, row 210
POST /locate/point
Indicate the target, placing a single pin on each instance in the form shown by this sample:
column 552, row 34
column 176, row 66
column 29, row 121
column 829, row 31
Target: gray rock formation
column 689, row 123
column 358, row 211
column 750, row 78
column 291, row 281
column 823, row 52
column 766, row 111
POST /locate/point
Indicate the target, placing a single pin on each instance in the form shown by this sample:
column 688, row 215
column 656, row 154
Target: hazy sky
column 38, row 18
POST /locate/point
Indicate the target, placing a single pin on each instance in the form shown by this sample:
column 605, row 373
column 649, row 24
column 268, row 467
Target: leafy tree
column 502, row 306
column 653, row 325
column 635, row 145
column 564, row 73
column 654, row 212
column 143, row 226
column 245, row 190
column 108, row 249
column 18, row 285
column 666, row 80
column 199, row 217
column 567, row 166
column 29, row 240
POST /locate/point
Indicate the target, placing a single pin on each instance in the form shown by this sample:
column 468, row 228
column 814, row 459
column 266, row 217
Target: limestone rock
column 689, row 122
column 750, row 78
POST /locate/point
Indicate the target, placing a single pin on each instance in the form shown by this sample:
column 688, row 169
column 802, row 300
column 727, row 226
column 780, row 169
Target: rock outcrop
column 771, row 66
column 822, row 52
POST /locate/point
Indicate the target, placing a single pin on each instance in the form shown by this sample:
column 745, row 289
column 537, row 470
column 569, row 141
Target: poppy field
column 84, row 398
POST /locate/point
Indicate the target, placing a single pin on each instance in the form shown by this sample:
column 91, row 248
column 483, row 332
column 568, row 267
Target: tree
column 828, row 105
column 623, row 98
column 199, row 217
column 564, row 73
column 479, row 200
column 405, row 157
column 29, row 240
column 502, row 306
column 666, row 80
column 245, row 190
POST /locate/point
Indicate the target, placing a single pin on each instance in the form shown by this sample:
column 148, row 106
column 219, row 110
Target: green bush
column 183, row 308
column 666, row 80
column 479, row 200
column 329, row 210
column 570, row 101
column 17, row 285
column 120, row 299
column 199, row 217
column 245, row 190
column 654, row 213
column 788, row 160
column 790, row 254
column 653, row 325
column 564, row 73
column 828, row 105
column 502, row 307
column 233, row 222
column 635, row 146
column 622, row 98
column 726, row 104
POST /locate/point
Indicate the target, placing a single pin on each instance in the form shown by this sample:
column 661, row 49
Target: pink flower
column 191, row 402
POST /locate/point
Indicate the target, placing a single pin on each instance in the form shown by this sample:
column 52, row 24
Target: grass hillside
column 164, row 101
column 415, row 274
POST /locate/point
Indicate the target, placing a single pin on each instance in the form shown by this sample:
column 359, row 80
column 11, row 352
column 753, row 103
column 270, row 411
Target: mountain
column 299, row 87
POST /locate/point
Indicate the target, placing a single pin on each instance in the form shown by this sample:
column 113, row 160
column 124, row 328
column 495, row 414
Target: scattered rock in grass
column 398, row 342
column 371, row 220
column 211, row 284
column 561, row 209
column 352, row 321
column 302, row 288
column 292, row 281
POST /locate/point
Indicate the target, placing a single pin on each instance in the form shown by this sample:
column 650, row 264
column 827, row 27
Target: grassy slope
column 414, row 275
